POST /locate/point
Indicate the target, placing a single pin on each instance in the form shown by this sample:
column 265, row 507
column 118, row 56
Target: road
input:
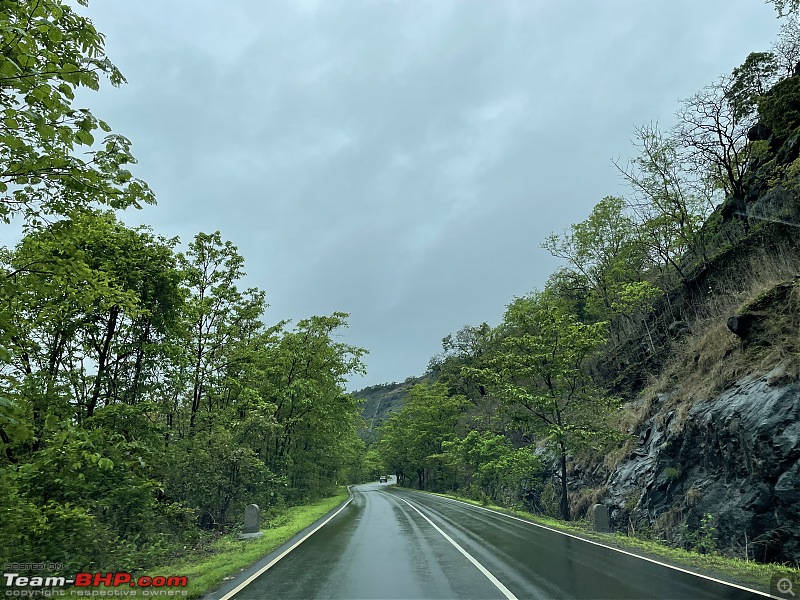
column 393, row 543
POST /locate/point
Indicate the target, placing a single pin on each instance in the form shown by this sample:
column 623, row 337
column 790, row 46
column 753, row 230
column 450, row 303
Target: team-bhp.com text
column 43, row 586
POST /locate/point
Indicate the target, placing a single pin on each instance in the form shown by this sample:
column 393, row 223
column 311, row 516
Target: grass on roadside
column 231, row 555
column 734, row 570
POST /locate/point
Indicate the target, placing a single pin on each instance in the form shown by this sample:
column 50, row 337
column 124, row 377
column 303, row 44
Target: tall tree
column 76, row 289
column 670, row 201
column 604, row 253
column 713, row 124
column 467, row 348
column 540, row 375
column 303, row 381
column 219, row 315
column 750, row 81
column 786, row 49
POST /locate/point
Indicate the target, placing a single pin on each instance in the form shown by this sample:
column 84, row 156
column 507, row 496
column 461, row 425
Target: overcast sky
column 399, row 160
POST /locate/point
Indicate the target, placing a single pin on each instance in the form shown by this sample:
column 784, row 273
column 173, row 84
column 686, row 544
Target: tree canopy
column 50, row 160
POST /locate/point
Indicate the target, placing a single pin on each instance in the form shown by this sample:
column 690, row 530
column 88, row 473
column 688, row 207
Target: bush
column 703, row 539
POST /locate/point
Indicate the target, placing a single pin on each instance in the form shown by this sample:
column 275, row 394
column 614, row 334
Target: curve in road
column 394, row 543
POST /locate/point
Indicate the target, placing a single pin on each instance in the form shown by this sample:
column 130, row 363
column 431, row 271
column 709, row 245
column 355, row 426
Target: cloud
column 399, row 160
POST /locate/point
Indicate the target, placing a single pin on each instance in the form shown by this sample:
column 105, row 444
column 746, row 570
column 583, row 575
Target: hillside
column 379, row 401
column 710, row 377
column 715, row 422
column 717, row 429
column 658, row 372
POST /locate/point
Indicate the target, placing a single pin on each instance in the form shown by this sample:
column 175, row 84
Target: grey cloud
column 399, row 160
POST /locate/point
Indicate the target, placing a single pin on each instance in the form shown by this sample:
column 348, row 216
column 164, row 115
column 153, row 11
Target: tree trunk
column 102, row 360
column 133, row 393
column 198, row 383
column 564, row 498
column 7, row 441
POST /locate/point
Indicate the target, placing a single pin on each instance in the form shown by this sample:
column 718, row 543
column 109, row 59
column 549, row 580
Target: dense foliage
column 143, row 400
column 50, row 162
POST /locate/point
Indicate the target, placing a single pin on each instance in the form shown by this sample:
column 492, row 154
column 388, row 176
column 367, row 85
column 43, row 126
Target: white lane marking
column 728, row 583
column 261, row 571
column 506, row 592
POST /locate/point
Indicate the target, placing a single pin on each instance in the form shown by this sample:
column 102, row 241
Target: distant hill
column 381, row 400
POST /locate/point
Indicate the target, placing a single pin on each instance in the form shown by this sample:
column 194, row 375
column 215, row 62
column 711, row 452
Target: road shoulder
column 234, row 579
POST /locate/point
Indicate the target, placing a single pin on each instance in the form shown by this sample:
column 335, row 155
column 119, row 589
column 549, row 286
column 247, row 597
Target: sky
column 399, row 160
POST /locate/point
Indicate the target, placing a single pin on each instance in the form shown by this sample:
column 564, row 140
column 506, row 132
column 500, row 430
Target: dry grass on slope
column 710, row 358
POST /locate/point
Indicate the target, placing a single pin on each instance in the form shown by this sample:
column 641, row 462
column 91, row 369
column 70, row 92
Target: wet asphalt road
column 390, row 543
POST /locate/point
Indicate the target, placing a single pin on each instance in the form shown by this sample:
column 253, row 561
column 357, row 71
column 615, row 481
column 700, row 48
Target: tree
column 217, row 475
column 670, row 202
column 372, row 466
column 603, row 253
column 219, row 316
column 540, row 375
column 88, row 297
column 413, row 437
column 786, row 48
column 467, row 348
column 89, row 497
column 47, row 51
column 488, row 464
column 750, row 81
column 312, row 432
column 714, row 123
column 785, row 7
column 139, row 389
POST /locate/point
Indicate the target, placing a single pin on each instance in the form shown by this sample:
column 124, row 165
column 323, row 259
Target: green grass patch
column 747, row 573
column 231, row 556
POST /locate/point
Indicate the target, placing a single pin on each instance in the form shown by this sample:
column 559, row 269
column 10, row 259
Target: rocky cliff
column 716, row 438
column 715, row 448
column 735, row 457
column 379, row 401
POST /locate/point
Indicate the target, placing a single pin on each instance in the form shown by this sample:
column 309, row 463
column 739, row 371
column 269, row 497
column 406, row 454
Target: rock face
column 736, row 457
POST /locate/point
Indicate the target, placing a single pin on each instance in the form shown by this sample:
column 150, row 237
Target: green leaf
column 66, row 89
column 84, row 137
column 54, row 34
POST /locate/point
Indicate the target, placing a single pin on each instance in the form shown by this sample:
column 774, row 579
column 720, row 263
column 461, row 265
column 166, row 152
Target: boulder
column 757, row 132
column 742, row 325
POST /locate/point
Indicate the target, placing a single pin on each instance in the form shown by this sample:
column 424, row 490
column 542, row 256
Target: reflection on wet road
column 391, row 543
